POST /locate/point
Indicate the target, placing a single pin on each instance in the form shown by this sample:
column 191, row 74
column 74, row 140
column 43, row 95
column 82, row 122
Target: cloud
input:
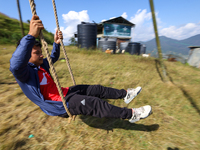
column 140, row 17
column 71, row 20
column 144, row 31
column 124, row 15
column 182, row 32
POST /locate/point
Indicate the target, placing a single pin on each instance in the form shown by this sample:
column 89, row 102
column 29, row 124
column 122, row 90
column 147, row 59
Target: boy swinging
column 31, row 72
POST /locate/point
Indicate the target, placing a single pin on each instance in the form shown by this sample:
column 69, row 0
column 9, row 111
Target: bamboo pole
column 20, row 18
column 158, row 41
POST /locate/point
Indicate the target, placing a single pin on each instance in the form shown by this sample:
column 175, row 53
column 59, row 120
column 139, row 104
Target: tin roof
column 193, row 47
column 117, row 20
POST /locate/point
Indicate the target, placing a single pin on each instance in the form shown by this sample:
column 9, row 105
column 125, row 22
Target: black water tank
column 123, row 46
column 133, row 48
column 105, row 44
column 87, row 35
column 142, row 49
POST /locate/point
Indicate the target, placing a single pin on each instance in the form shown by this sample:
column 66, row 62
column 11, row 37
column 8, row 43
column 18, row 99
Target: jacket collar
column 32, row 65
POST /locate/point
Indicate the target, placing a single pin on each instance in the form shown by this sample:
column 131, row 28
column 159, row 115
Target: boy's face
column 36, row 56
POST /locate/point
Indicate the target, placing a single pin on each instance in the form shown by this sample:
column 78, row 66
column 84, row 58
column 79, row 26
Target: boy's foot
column 140, row 113
column 131, row 94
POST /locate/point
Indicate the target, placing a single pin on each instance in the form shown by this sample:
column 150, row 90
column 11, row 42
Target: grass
column 174, row 124
column 10, row 31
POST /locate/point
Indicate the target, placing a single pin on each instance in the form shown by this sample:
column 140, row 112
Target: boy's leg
column 94, row 106
column 98, row 91
column 105, row 92
column 111, row 93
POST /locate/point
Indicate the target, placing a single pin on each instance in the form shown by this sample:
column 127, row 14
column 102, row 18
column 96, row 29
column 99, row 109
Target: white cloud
column 103, row 20
column 112, row 17
column 182, row 32
column 144, row 31
column 140, row 17
column 124, row 15
column 71, row 20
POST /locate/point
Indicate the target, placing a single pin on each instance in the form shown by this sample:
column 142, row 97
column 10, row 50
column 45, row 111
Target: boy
column 32, row 74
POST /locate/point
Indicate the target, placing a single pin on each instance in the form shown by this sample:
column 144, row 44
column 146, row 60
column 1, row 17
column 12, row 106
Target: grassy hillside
column 174, row 124
column 10, row 31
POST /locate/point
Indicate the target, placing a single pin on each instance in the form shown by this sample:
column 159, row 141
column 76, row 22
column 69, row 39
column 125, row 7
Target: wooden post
column 158, row 41
column 21, row 24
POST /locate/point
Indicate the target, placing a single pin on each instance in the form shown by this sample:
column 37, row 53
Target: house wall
column 194, row 58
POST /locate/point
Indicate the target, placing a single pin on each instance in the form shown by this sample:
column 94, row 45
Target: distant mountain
column 172, row 46
column 194, row 40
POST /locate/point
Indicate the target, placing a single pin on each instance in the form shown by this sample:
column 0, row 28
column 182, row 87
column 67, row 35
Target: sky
column 176, row 19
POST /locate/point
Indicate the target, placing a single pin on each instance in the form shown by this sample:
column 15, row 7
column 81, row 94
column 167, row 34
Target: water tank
column 105, row 44
column 112, row 39
column 133, row 48
column 87, row 35
column 123, row 46
column 142, row 49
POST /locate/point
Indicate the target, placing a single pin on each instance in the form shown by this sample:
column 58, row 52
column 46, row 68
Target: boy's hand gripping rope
column 61, row 41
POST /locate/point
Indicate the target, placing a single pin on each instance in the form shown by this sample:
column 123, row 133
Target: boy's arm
column 55, row 54
column 20, row 58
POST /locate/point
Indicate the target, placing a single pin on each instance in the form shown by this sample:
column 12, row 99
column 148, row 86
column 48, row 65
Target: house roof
column 117, row 20
column 193, row 47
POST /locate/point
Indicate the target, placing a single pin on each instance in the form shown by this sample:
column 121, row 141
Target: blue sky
column 177, row 19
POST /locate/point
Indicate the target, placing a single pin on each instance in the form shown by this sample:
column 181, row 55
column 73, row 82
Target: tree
column 72, row 41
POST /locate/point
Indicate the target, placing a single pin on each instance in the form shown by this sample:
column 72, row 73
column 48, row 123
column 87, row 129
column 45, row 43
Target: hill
column 10, row 31
column 172, row 46
column 173, row 125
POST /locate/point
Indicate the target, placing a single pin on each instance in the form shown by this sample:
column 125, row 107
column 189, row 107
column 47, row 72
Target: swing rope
column 55, row 77
column 66, row 58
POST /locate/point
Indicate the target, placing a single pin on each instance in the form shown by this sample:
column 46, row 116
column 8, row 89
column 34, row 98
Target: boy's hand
column 35, row 26
column 57, row 36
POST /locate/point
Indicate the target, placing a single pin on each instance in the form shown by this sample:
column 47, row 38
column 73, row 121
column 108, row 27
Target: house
column 107, row 34
column 117, row 27
column 194, row 56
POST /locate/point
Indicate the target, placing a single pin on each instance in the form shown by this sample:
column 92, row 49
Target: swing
column 45, row 46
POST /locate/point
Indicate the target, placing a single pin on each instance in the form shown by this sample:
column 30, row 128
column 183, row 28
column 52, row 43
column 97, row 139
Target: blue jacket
column 26, row 74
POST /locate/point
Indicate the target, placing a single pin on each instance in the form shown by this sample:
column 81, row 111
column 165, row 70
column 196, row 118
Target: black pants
column 87, row 100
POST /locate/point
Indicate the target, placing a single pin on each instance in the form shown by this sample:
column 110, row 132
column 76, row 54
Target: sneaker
column 131, row 94
column 140, row 113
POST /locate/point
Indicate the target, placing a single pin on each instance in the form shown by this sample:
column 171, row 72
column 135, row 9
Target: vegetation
column 73, row 41
column 10, row 31
column 174, row 124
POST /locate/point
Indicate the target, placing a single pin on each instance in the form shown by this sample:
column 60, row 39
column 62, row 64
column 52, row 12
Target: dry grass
column 174, row 123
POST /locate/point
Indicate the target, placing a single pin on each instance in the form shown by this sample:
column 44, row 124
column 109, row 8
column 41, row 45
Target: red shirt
column 48, row 87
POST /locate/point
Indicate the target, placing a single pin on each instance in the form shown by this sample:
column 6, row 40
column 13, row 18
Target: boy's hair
column 37, row 43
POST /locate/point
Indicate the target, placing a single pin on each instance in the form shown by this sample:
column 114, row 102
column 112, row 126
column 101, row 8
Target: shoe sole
column 148, row 114
column 131, row 98
column 144, row 117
